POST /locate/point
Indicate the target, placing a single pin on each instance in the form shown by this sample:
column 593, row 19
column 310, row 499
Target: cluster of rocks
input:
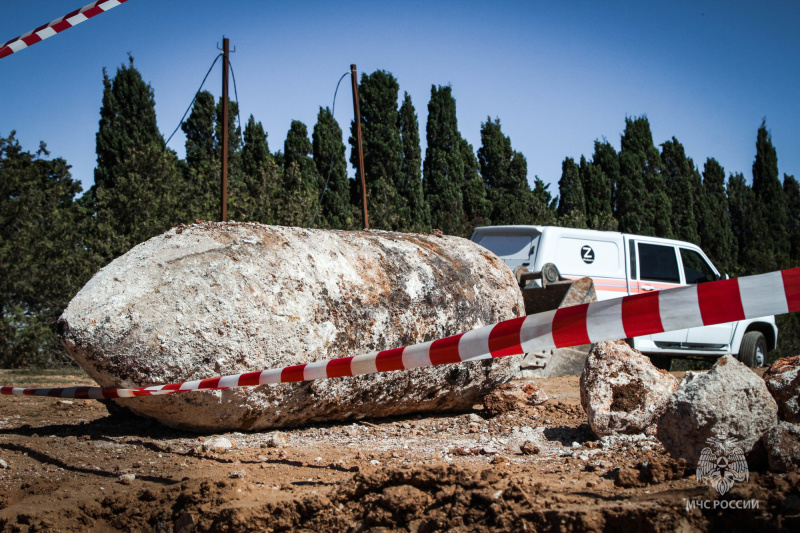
column 726, row 408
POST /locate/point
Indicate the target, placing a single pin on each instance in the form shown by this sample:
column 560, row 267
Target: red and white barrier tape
column 57, row 26
column 709, row 303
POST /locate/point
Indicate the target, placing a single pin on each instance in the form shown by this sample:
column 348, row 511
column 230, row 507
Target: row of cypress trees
column 141, row 188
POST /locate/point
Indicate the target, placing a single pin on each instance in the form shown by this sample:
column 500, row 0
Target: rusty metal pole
column 224, row 201
column 357, row 112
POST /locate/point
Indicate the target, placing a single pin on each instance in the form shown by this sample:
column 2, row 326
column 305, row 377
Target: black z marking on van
column 587, row 254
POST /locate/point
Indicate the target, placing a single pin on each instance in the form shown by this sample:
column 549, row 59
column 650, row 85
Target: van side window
column 695, row 268
column 632, row 250
column 658, row 263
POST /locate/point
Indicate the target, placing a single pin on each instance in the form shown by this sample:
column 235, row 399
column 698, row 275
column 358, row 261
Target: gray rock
column 223, row 298
column 782, row 444
column 728, row 402
column 621, row 390
column 783, row 381
column 217, row 444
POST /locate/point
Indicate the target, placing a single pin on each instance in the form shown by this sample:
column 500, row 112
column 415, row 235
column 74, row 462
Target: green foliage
column 444, row 165
column 716, row 235
column 127, row 122
column 791, row 191
column 682, row 183
column 607, row 159
column 771, row 202
column 597, row 192
column 642, row 202
column 199, row 129
column 572, row 203
column 505, row 173
column 328, row 148
column 144, row 202
column 477, row 207
column 255, row 152
column 740, row 205
column 414, row 211
column 383, row 151
column 43, row 260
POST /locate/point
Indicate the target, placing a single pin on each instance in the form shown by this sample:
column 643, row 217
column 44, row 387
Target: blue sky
column 558, row 74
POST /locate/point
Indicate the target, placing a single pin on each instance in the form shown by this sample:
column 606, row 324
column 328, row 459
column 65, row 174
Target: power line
column 333, row 153
column 236, row 95
column 195, row 97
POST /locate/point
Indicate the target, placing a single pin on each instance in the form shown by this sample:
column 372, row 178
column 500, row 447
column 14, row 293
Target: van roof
column 523, row 229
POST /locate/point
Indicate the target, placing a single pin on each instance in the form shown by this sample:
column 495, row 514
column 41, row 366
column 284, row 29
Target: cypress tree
column 255, row 152
column 383, row 152
column 642, row 201
column 298, row 199
column 138, row 189
column 443, row 167
column 250, row 198
column 749, row 227
column 791, row 191
column 607, row 160
column 771, row 200
column 597, row 191
column 202, row 169
column 414, row 215
column 572, row 202
column 505, row 173
column 200, row 133
column 716, row 236
column 543, row 205
column 477, row 207
column 681, row 184
column 334, row 187
column 127, row 122
column 299, row 168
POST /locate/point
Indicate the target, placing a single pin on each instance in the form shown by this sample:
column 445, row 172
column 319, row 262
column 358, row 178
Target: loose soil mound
column 461, row 472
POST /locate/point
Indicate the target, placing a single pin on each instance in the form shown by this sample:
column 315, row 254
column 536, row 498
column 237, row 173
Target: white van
column 621, row 264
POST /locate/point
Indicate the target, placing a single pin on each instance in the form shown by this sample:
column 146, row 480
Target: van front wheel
column 753, row 351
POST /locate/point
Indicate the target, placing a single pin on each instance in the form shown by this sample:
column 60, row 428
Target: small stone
column 3, row 464
column 237, row 474
column 529, row 448
column 783, row 381
column 499, row 459
column 217, row 444
column 536, row 395
column 276, row 440
column 65, row 404
column 627, row 478
column 375, row 462
column 127, row 479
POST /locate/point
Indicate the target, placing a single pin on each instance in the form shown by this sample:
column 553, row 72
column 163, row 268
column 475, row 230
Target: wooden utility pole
column 357, row 112
column 225, row 50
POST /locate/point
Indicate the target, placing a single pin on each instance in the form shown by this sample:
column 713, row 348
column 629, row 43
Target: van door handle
column 647, row 287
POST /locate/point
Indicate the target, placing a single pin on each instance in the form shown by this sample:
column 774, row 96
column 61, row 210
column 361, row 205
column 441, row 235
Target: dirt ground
column 66, row 467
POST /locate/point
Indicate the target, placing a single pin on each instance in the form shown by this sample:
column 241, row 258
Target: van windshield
column 508, row 246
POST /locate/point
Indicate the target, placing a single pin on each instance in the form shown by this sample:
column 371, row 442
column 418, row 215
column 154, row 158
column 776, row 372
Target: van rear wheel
column 753, row 351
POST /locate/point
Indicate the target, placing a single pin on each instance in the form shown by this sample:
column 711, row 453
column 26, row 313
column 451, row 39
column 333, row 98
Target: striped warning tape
column 57, row 26
column 706, row 304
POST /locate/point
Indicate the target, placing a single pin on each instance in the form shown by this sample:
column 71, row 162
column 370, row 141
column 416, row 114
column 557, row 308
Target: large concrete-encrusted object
column 783, row 381
column 224, row 298
column 728, row 402
column 621, row 390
